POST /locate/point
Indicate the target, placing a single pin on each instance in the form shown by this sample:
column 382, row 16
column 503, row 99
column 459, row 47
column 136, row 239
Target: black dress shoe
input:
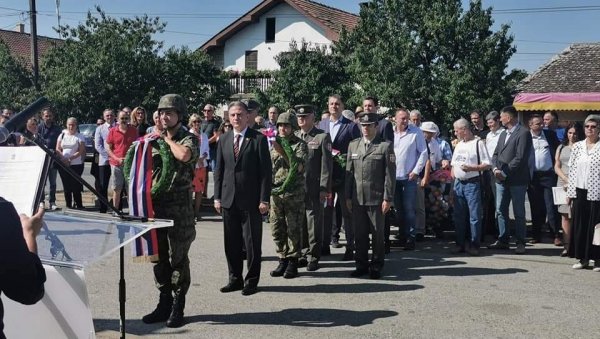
column 302, row 262
column 249, row 290
column 232, row 286
column 336, row 244
column 375, row 273
column 312, row 266
column 359, row 272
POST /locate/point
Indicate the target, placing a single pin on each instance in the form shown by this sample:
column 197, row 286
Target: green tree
column 16, row 88
column 308, row 75
column 430, row 55
column 193, row 75
column 104, row 62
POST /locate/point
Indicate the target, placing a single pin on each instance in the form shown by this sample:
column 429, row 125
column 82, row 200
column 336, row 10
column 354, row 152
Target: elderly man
column 470, row 159
column 551, row 123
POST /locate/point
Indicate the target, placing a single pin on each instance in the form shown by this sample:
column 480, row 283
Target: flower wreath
column 290, row 180
column 167, row 166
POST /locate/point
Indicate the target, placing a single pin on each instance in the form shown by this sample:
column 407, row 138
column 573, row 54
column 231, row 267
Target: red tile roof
column 329, row 18
column 19, row 45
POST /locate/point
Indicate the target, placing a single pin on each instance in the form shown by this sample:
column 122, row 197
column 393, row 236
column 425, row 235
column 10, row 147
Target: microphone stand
column 117, row 213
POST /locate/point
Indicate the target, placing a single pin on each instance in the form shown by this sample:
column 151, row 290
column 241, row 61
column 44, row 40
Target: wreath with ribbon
column 290, row 179
column 167, row 160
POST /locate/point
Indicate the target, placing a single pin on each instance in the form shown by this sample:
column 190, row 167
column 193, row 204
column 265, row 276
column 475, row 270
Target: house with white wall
column 252, row 41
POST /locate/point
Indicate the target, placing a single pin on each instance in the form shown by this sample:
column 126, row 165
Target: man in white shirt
column 411, row 155
column 470, row 159
column 490, row 226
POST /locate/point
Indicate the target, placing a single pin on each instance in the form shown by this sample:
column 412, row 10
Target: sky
column 541, row 28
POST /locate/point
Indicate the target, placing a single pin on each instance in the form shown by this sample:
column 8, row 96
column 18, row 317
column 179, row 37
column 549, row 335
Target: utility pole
column 34, row 50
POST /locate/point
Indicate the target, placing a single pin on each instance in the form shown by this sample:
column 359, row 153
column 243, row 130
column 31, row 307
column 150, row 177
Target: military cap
column 304, row 110
column 286, row 118
column 368, row 118
column 251, row 104
column 173, row 101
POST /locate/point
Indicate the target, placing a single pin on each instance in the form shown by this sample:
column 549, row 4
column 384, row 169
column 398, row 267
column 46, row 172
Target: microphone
column 20, row 119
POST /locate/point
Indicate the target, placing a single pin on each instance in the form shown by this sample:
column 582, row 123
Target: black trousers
column 72, row 188
column 542, row 203
column 103, row 180
column 243, row 228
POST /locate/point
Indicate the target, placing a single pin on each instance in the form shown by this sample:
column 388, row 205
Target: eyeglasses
column 98, row 123
column 226, row 126
column 591, row 126
column 207, row 110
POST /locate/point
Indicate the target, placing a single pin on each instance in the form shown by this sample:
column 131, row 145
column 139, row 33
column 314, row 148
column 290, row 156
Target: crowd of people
column 360, row 171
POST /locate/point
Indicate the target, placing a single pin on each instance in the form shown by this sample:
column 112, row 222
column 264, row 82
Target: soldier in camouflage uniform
column 319, row 163
column 172, row 272
column 287, row 196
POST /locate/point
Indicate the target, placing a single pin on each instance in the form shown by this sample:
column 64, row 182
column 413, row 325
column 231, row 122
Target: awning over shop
column 557, row 102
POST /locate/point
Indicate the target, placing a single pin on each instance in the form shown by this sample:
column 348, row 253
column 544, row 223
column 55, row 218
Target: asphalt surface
column 428, row 293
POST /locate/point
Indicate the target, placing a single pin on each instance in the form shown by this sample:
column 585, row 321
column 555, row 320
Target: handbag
column 596, row 239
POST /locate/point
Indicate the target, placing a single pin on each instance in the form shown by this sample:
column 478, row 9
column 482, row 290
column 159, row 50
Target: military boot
column 176, row 317
column 163, row 309
column 278, row 272
column 292, row 269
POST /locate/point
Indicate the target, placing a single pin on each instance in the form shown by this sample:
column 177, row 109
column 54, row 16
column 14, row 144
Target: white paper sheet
column 559, row 195
column 21, row 169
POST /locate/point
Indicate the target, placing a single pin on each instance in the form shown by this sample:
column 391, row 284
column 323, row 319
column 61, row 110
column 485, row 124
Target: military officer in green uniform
column 287, row 196
column 172, row 271
column 319, row 163
column 370, row 183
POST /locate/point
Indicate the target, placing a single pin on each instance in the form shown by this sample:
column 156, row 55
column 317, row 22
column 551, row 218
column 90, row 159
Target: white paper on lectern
column 20, row 176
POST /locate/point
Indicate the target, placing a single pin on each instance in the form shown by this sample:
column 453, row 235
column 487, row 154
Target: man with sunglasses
column 118, row 141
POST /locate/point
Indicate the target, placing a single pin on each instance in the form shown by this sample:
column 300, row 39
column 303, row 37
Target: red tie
column 236, row 146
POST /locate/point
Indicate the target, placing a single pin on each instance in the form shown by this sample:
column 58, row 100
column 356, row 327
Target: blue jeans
column 504, row 195
column 467, row 210
column 405, row 198
column 52, row 172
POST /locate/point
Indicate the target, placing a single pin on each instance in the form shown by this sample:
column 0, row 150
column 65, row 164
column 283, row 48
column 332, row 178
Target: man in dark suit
column 342, row 131
column 511, row 171
column 242, row 193
column 545, row 142
column 370, row 184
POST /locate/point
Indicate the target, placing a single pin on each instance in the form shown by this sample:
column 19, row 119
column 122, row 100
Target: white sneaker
column 580, row 265
column 596, row 269
column 53, row 207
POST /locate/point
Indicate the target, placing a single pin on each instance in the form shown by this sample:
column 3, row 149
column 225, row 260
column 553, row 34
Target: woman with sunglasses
column 583, row 190
column 139, row 120
column 199, row 181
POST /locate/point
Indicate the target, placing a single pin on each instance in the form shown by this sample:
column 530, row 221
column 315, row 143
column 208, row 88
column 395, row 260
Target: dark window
column 251, row 60
column 270, row 37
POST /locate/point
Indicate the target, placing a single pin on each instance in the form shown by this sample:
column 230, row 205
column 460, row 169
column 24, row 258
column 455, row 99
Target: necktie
column 236, row 146
column 367, row 144
column 303, row 136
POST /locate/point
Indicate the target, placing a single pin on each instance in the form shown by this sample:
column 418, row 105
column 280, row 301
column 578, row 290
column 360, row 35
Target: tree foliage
column 430, row 55
column 308, row 75
column 16, row 87
column 108, row 62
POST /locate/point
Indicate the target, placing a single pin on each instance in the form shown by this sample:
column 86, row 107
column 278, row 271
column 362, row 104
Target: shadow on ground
column 302, row 317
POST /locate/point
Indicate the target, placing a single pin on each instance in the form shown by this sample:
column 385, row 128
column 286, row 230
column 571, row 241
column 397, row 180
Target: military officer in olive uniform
column 370, row 183
column 172, row 271
column 287, row 196
column 319, row 163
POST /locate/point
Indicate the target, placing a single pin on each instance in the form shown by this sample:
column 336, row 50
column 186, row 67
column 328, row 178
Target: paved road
column 423, row 294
